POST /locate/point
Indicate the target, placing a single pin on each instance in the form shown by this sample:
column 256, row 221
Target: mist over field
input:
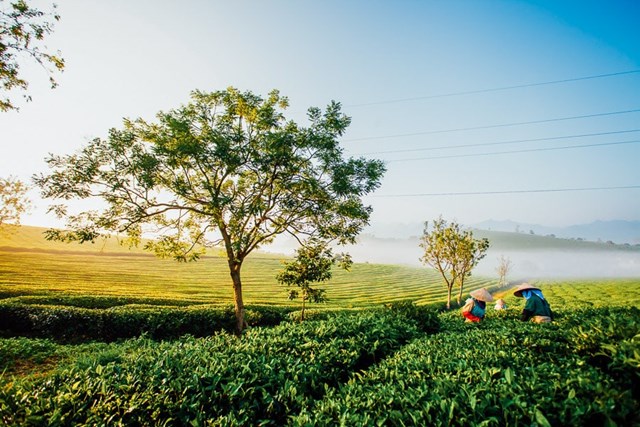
column 538, row 263
column 566, row 264
column 531, row 256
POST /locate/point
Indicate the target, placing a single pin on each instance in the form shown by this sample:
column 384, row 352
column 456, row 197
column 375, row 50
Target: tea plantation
column 114, row 338
column 395, row 364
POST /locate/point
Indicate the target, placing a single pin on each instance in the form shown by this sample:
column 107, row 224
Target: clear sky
column 417, row 78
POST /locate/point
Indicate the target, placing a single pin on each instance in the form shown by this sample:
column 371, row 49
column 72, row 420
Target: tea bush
column 360, row 367
column 261, row 379
column 425, row 317
column 87, row 301
column 500, row 372
column 22, row 350
column 73, row 324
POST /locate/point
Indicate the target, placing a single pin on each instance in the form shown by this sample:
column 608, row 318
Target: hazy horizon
column 527, row 264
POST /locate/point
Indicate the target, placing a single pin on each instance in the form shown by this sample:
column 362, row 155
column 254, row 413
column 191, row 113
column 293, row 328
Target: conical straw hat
column 524, row 287
column 481, row 295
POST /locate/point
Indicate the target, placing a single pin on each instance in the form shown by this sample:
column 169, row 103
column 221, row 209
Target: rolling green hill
column 31, row 265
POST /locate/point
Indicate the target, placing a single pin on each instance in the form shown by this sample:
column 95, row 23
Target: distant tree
column 503, row 268
column 13, row 201
column 226, row 169
column 22, row 30
column 453, row 252
column 312, row 264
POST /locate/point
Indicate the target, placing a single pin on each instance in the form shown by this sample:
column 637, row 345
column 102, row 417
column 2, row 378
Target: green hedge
column 262, row 379
column 84, row 301
column 73, row 324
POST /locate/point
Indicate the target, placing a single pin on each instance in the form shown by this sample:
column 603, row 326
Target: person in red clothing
column 476, row 306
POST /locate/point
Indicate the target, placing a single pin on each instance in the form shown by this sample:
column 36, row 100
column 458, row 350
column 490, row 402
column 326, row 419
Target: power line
column 513, row 141
column 474, row 193
column 558, row 119
column 529, row 150
column 495, row 89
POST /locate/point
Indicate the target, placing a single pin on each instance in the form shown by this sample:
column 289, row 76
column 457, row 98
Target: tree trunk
column 449, row 296
column 237, row 297
column 460, row 294
column 302, row 314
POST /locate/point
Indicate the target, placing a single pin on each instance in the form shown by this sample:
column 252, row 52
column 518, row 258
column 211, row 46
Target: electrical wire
column 475, row 193
column 495, row 89
column 513, row 141
column 529, row 150
column 530, row 122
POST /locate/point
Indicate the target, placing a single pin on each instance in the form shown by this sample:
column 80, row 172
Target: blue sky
column 395, row 66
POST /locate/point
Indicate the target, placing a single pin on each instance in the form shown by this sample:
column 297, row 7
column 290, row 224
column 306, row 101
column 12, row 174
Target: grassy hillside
column 31, row 265
column 31, row 239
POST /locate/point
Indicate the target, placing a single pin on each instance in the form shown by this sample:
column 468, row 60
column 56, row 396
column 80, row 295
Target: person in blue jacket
column 536, row 307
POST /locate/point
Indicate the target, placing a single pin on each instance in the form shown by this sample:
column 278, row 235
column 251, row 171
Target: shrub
column 73, row 324
column 262, row 379
column 425, row 318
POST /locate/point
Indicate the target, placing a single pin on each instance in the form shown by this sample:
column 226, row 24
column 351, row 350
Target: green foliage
column 15, row 351
column 73, row 324
column 500, row 372
column 317, row 314
column 312, row 264
column 13, row 201
column 267, row 315
column 260, row 380
column 86, row 301
column 228, row 161
column 22, row 30
column 425, row 318
column 363, row 367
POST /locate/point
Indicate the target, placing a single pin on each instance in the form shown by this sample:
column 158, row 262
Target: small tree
column 312, row 264
column 22, row 29
column 13, row 200
column 503, row 268
column 453, row 252
column 469, row 252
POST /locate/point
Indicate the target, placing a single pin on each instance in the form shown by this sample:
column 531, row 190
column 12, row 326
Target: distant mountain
column 619, row 232
column 615, row 231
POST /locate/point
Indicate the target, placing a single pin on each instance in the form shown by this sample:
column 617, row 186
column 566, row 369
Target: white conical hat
column 481, row 295
column 524, row 287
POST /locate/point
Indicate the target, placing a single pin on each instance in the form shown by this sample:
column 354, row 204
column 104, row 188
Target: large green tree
column 22, row 32
column 226, row 168
column 452, row 251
